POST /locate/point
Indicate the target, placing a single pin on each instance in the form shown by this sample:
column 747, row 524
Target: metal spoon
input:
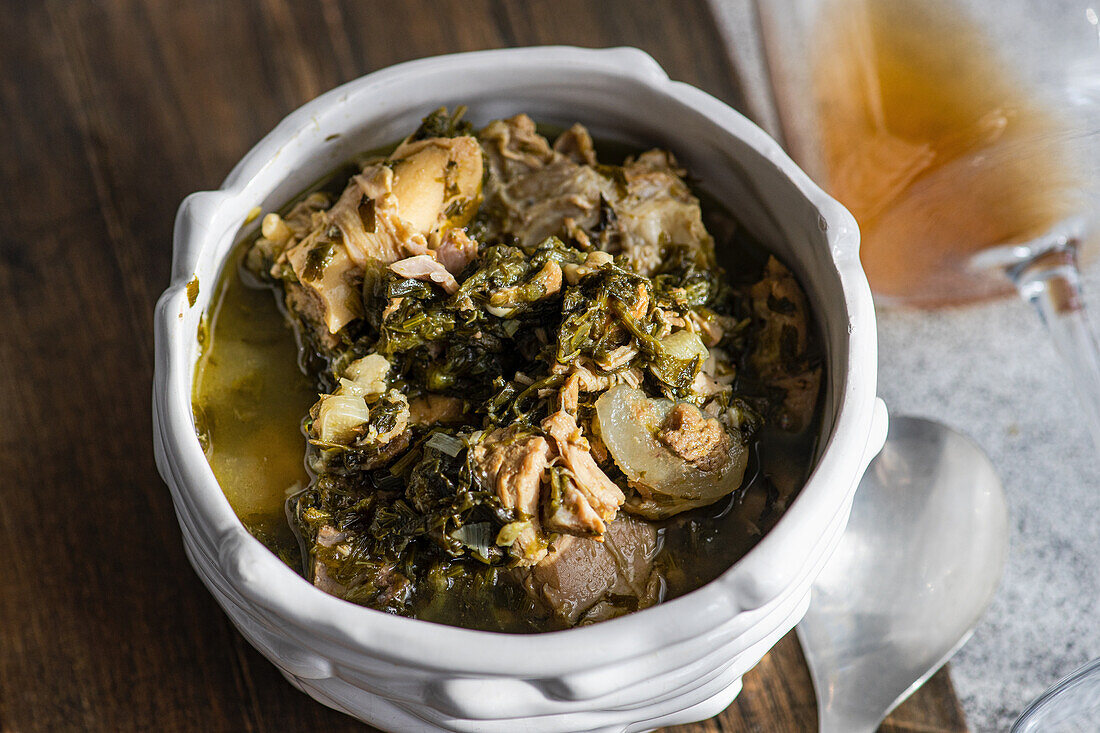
column 915, row 570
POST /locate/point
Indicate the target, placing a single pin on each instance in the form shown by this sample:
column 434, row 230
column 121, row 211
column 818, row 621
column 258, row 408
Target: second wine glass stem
column 1051, row 282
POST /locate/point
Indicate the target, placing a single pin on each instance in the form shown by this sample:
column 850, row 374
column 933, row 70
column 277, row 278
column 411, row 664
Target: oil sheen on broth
column 249, row 400
column 933, row 145
column 251, row 395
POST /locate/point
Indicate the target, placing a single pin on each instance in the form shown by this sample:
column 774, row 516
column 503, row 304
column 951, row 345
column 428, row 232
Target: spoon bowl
column 915, row 570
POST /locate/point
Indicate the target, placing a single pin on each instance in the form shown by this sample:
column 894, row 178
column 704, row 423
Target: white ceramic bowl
column 677, row 662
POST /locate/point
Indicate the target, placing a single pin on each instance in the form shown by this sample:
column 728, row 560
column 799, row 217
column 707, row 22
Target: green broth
column 249, row 400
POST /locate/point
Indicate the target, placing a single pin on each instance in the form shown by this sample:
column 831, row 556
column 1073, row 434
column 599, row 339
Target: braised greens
column 533, row 375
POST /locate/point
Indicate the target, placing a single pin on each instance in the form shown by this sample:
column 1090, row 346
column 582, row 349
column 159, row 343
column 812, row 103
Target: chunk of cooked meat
column 433, row 409
column 707, row 386
column 382, row 580
column 548, row 278
column 709, row 329
column 534, row 188
column 386, row 212
column 327, row 537
column 367, row 220
column 600, row 492
column 619, row 357
column 780, row 304
column 582, row 377
column 781, row 355
column 693, row 437
column 368, row 374
column 513, row 463
column 425, row 267
column 568, row 510
column 280, row 233
column 309, row 317
column 326, row 269
column 583, row 580
column 799, row 400
column 437, row 181
column 513, row 147
column 639, row 210
column 456, row 250
column 569, row 395
column 590, row 378
column 658, row 210
column 576, row 144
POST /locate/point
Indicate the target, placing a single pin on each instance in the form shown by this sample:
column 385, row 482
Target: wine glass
column 1071, row 705
column 962, row 135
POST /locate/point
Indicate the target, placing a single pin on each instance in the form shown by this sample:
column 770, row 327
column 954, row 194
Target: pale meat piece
column 537, row 205
column 619, row 357
column 368, row 374
column 658, row 210
column 539, row 191
column 576, row 144
column 582, row 377
column 582, row 577
column 534, row 188
column 386, row 212
column 780, row 303
column 425, row 267
column 591, row 379
column 306, row 305
column 593, row 261
column 389, row 583
column 694, row 437
column 599, row 492
column 433, row 409
column 456, row 250
column 366, row 216
column 513, row 464
column 707, row 386
column 548, row 279
column 280, row 233
column 709, row 329
column 780, row 356
column 573, row 515
column 327, row 537
column 437, row 181
column 569, row 395
column 513, row 147
column 800, row 400
column 335, row 283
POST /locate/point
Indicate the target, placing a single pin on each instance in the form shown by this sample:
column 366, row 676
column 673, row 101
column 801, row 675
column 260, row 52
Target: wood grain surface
column 111, row 112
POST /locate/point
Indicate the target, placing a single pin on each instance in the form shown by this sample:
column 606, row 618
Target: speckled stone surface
column 990, row 372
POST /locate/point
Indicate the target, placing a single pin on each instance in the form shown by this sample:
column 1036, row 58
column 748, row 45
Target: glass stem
column 1051, row 282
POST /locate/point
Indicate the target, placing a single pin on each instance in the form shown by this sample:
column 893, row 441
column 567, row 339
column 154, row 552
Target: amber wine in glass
column 958, row 169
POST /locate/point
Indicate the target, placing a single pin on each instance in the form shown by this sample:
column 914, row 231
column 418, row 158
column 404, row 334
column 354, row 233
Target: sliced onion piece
column 628, row 424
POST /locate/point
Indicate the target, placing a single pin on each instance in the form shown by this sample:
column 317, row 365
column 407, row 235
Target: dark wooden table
column 110, row 112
